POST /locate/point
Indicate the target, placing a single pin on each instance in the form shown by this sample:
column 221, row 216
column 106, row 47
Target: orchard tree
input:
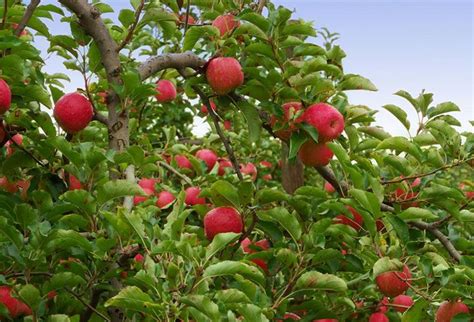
column 295, row 206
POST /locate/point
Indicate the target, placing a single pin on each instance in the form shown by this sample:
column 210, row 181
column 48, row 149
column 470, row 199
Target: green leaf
column 219, row 242
column 126, row 17
column 308, row 50
column 134, row 299
column 256, row 19
column 296, row 141
column 281, row 216
column 58, row 318
column 311, row 192
column 268, row 195
column 414, row 213
column 356, row 82
column 409, row 98
column 203, row 304
column 442, row 108
column 233, row 267
column 400, row 227
column 438, row 191
column 65, row 279
column 251, row 30
column 400, row 144
column 318, row 281
column 416, row 312
column 9, row 232
column 62, row 238
column 34, row 93
column 232, row 295
column 30, row 295
column 386, row 264
column 223, row 193
column 117, row 189
column 198, row 32
column 260, row 48
column 252, row 117
column 299, row 28
column 374, row 131
column 399, row 113
column 368, row 200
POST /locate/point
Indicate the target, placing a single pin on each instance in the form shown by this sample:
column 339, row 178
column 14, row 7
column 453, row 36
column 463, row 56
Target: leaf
column 252, row 117
column 33, row 93
column 9, row 232
column 400, row 227
column 296, row 141
column 308, row 50
column 62, row 238
column 134, row 299
column 416, row 311
column 318, row 281
column 442, row 108
column 299, row 28
column 251, row 30
column 438, row 191
column 232, row 296
column 386, row 264
column 399, row 113
column 268, row 195
column 288, row 221
column 203, row 304
column 260, row 48
column 224, row 193
column 311, row 192
column 219, row 242
column 356, row 82
column 126, row 17
column 376, row 132
column 30, row 295
column 414, row 213
column 368, row 200
column 400, row 144
column 256, row 19
column 65, row 279
column 231, row 268
column 409, row 98
column 117, row 189
column 195, row 33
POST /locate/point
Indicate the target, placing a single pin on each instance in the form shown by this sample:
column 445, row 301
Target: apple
column 191, row 20
column 165, row 198
column 139, row 258
column 14, row 306
column 261, row 245
column 382, row 307
column 8, row 186
column 24, row 185
column 326, row 119
column 192, row 197
column 5, row 96
column 224, row 74
column 102, row 97
column 208, row 156
column 51, row 294
column 225, row 23
column 74, row 183
column 315, row 154
column 267, row 177
column 223, row 164
column 165, row 91
column 448, row 310
column 183, row 162
column 379, row 224
column 222, row 220
column 289, row 110
column 148, row 183
column 249, row 169
column 73, row 112
column 394, row 283
column 22, row 33
column 378, row 317
column 227, row 125
column 204, row 107
column 329, row 188
column 265, row 164
column 402, row 303
column 140, row 199
column 17, row 139
column 355, row 223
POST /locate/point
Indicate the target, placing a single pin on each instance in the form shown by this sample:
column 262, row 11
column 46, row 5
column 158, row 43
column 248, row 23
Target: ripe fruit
column 224, row 74
column 74, row 183
column 378, row 317
column 222, row 220
column 260, row 245
column 315, row 154
column 329, row 188
column 355, row 223
column 166, row 91
column 8, row 186
column 447, row 310
column 102, row 97
column 148, row 183
column 14, row 306
column 382, row 307
column 394, row 283
column 227, row 125
column 139, row 258
column 183, row 162
column 140, row 199
column 326, row 119
column 208, row 156
column 267, row 177
column 204, row 107
column 289, row 110
column 266, row 164
column 5, row 96
column 51, row 295
column 402, row 303
column 192, row 197
column 225, row 24
column 17, row 139
column 165, row 198
column 379, row 224
column 191, row 20
column 73, row 112
column 223, row 163
column 249, row 169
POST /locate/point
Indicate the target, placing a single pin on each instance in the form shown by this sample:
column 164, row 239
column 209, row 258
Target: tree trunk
column 292, row 173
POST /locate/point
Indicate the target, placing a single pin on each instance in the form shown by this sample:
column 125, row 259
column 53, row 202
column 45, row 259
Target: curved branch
column 26, row 16
column 177, row 61
column 132, row 28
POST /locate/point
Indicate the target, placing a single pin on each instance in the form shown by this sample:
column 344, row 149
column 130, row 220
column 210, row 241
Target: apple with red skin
column 208, row 156
column 5, row 96
column 394, row 283
column 315, row 154
column 24, row 185
column 225, row 23
column 223, row 164
column 14, row 306
column 192, row 197
column 140, row 199
column 204, row 107
column 378, row 317
column 249, row 248
column 355, row 222
column 183, row 162
column 224, row 74
column 402, row 303
column 165, row 198
column 74, row 183
column 249, row 169
column 22, row 33
column 191, row 20
column 139, row 258
column 448, row 310
column 227, row 125
column 165, row 91
column 266, row 164
column 73, row 112
column 329, row 188
column 51, row 294
column 267, row 177
column 289, row 110
column 148, row 183
column 17, row 139
column 222, row 220
column 382, row 307
column 326, row 119
column 8, row 186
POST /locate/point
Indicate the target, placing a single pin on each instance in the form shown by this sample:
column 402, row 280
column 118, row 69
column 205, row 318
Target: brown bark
column 292, row 173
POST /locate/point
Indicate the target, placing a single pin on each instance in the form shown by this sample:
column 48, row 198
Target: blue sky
column 410, row 45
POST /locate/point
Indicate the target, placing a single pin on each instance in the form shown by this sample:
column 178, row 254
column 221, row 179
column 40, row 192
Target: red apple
column 8, row 186
column 223, row 163
column 355, row 222
column 102, row 97
column 74, row 183
column 183, row 162
column 379, row 224
column 139, row 258
column 267, row 177
column 191, row 20
column 166, row 91
column 315, row 154
column 14, row 306
column 204, row 107
column 378, row 317
column 266, row 164
column 5, row 96
column 382, row 307
column 208, row 156
column 448, row 310
column 226, row 23
column 73, row 112
column 140, row 199
column 227, row 125
column 148, row 183
column 51, row 295
column 24, row 185
column 402, row 303
column 329, row 188
column 17, row 139
column 326, row 119
column 224, row 74
column 289, row 110
column 192, row 197
column 262, row 245
column 222, row 220
column 165, row 198
column 394, row 283
column 249, row 169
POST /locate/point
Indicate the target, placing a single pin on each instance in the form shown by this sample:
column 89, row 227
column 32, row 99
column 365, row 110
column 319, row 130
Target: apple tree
column 295, row 205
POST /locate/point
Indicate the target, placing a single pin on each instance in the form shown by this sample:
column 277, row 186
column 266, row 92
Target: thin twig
column 26, row 151
column 170, row 168
column 26, row 16
column 93, row 309
column 188, row 5
column 261, row 5
column 131, row 30
column 5, row 10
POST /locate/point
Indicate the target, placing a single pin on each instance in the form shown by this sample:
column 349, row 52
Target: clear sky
column 404, row 44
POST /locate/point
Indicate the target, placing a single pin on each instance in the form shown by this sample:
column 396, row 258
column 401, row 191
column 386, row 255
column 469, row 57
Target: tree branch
column 26, row 16
column 177, row 173
column 93, row 309
column 131, row 30
column 100, row 118
column 177, row 61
